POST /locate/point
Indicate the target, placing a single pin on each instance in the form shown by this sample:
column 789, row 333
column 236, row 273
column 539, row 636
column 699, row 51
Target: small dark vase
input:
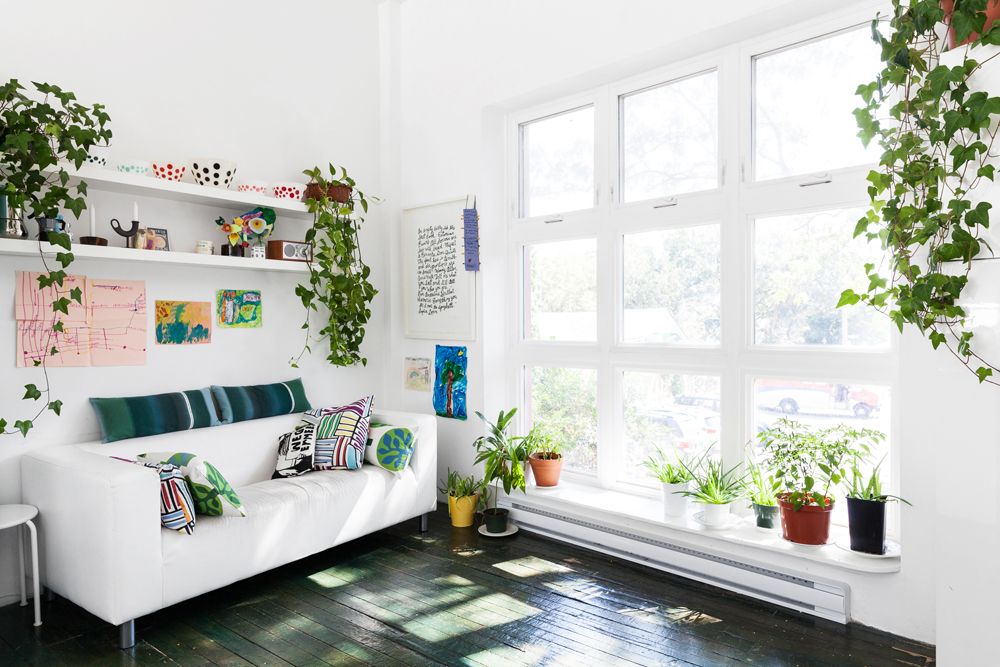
column 866, row 520
column 496, row 520
column 767, row 516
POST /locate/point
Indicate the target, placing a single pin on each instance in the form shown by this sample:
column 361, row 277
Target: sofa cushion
column 138, row 416
column 339, row 430
column 295, row 451
column 390, row 445
column 176, row 506
column 212, row 494
column 237, row 404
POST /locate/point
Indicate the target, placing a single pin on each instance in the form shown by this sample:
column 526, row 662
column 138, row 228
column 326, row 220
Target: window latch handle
column 557, row 218
column 672, row 201
column 816, row 179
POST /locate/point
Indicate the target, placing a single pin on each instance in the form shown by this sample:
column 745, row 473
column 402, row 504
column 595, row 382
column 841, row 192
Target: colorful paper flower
column 227, row 228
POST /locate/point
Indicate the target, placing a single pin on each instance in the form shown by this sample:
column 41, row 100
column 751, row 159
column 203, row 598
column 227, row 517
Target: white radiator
column 829, row 599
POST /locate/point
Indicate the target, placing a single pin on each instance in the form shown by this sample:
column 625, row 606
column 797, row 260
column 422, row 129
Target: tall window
column 684, row 297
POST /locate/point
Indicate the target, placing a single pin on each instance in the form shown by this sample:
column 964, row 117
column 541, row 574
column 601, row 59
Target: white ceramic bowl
column 288, row 190
column 168, row 170
column 256, row 187
column 97, row 156
column 136, row 167
column 213, row 172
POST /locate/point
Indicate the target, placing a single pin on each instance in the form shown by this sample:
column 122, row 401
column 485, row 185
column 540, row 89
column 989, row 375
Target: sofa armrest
column 99, row 523
column 423, row 463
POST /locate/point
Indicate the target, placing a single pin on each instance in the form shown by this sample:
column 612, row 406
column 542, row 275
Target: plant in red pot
column 808, row 464
column 866, row 504
column 544, row 456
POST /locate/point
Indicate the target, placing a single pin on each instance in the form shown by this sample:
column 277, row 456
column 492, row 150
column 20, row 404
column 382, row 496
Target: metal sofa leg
column 424, row 520
column 126, row 634
column 50, row 595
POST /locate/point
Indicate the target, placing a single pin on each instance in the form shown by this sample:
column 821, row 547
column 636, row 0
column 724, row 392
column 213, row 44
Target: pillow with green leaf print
column 210, row 491
column 390, row 445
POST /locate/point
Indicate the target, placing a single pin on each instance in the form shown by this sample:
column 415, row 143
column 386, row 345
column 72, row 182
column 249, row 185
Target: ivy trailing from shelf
column 34, row 137
column 937, row 142
column 338, row 277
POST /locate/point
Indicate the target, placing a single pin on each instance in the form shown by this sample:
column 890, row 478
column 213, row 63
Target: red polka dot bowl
column 168, row 171
column 255, row 187
column 286, row 190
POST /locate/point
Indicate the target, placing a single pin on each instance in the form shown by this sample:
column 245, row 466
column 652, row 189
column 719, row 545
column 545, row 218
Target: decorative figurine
column 256, row 224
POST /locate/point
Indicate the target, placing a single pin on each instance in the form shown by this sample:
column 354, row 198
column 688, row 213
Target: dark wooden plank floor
column 453, row 597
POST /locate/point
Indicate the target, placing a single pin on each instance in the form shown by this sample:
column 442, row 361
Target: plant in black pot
column 866, row 510
column 503, row 456
column 762, row 489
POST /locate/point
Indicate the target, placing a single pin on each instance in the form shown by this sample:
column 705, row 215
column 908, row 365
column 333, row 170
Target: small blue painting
column 450, row 363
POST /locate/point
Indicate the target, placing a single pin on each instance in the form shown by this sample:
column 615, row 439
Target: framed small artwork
column 417, row 374
column 158, row 239
column 238, row 309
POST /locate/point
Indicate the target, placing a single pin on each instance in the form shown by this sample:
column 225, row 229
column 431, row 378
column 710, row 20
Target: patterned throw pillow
column 237, row 404
column 390, row 446
column 210, row 491
column 138, row 416
column 176, row 506
column 341, row 435
column 295, row 451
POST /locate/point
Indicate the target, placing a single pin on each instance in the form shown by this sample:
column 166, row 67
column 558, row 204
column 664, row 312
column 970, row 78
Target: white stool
column 13, row 516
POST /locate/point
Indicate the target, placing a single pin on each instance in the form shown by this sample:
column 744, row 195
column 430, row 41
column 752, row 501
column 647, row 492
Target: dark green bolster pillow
column 239, row 404
column 123, row 418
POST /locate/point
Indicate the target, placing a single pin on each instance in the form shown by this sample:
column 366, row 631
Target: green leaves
column 31, row 391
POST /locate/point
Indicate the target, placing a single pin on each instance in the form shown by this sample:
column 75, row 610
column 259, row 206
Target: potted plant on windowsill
column 465, row 495
column 715, row 489
column 866, row 511
column 675, row 480
column 544, row 456
column 762, row 490
column 808, row 464
column 503, row 456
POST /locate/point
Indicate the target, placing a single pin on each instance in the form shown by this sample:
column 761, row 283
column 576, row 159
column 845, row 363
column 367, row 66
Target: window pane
column 557, row 164
column 670, row 411
column 820, row 405
column 564, row 402
column 802, row 264
column 670, row 139
column 672, row 288
column 803, row 103
column 560, row 290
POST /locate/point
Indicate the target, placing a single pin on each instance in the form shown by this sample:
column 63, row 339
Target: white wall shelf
column 30, row 248
column 100, row 178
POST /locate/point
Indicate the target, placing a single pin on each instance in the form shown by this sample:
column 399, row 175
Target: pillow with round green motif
column 210, row 491
column 390, row 446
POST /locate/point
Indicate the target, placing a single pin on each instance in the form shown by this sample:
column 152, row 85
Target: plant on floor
column 338, row 278
column 502, row 456
column 465, row 496
column 34, row 137
column 712, row 484
column 936, row 145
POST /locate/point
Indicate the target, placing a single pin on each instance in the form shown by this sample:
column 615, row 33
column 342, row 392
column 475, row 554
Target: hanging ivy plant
column 34, row 137
column 338, row 277
column 936, row 142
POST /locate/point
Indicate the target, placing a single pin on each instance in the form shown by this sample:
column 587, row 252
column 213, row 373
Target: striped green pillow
column 138, row 416
column 237, row 404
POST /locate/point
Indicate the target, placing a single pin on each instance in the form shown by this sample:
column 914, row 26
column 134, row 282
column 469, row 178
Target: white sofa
column 102, row 546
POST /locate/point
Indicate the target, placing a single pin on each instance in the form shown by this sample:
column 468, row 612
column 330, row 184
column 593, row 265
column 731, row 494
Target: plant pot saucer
column 731, row 521
column 751, row 520
column 810, row 546
column 511, row 529
column 544, row 489
column 892, row 549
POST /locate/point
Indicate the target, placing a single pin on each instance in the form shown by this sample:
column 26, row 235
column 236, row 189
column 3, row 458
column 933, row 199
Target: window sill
column 643, row 516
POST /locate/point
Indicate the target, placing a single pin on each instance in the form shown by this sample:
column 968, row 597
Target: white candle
column 93, row 222
column 135, row 210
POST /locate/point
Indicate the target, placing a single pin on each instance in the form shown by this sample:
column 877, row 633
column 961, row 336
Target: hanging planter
column 992, row 14
column 334, row 192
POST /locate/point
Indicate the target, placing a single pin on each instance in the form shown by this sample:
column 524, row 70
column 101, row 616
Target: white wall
column 276, row 87
column 463, row 65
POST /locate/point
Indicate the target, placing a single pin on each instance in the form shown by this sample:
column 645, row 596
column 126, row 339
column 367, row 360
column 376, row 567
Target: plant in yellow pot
column 464, row 497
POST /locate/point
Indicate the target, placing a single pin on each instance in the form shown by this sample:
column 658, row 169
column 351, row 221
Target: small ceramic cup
column 205, row 248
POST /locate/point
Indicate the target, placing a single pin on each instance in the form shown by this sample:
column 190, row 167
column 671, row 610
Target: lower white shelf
column 111, row 254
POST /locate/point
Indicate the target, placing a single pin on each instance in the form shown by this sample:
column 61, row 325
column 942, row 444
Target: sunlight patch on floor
column 530, row 655
column 530, row 566
column 667, row 616
column 432, row 626
column 466, row 551
column 335, row 578
column 452, row 580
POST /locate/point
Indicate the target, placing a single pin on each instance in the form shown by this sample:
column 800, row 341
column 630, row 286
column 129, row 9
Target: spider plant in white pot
column 674, row 480
column 715, row 489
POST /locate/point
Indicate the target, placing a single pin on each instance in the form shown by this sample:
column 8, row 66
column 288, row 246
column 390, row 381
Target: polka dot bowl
column 97, row 156
column 285, row 190
column 213, row 172
column 134, row 167
column 254, row 187
column 168, row 171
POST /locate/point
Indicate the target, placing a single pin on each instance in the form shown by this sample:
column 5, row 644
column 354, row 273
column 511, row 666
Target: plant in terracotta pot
column 544, row 456
column 715, row 489
column 808, row 464
column 464, row 497
column 762, row 489
column 675, row 480
column 866, row 505
column 503, row 456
